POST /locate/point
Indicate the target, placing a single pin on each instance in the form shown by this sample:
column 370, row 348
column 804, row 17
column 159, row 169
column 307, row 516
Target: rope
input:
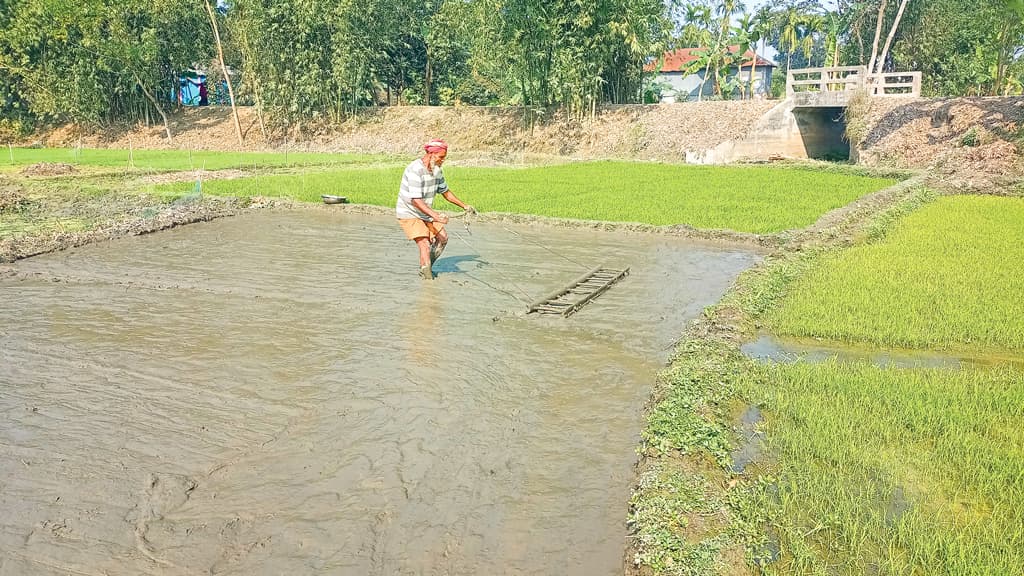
column 514, row 233
column 527, row 301
column 564, row 257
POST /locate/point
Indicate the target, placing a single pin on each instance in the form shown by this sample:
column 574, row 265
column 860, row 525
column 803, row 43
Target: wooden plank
column 566, row 301
column 554, row 295
column 596, row 293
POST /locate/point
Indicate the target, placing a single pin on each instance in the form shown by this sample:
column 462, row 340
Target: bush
column 971, row 138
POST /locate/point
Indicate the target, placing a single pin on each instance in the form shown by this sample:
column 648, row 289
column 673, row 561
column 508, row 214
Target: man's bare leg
column 437, row 247
column 424, row 247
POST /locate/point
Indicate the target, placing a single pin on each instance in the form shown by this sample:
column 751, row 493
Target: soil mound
column 975, row 140
column 650, row 132
column 12, row 199
column 978, row 142
column 49, row 169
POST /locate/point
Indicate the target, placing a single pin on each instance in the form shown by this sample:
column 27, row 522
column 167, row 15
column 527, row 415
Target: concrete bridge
column 811, row 121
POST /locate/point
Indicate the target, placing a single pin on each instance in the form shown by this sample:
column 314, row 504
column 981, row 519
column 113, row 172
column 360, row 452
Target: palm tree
column 763, row 26
column 745, row 35
column 810, row 26
column 697, row 26
column 789, row 32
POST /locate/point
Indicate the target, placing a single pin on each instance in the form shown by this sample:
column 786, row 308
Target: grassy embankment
column 109, row 185
column 172, row 160
column 867, row 470
column 761, row 200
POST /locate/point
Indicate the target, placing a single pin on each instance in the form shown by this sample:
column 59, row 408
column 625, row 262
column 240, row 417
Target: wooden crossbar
column 569, row 299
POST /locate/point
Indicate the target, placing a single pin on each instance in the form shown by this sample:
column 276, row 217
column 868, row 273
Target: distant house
column 678, row 86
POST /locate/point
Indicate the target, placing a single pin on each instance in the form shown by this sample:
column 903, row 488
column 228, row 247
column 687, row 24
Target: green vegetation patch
column 747, row 199
column 861, row 469
column 179, row 159
column 947, row 277
column 887, row 471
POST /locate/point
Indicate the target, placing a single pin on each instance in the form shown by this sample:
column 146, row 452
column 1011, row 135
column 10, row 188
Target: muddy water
column 280, row 394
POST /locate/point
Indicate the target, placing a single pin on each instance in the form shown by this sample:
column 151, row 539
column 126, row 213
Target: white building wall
column 680, row 88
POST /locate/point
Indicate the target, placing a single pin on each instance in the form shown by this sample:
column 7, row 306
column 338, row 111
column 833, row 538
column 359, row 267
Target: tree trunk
column 224, row 69
column 1003, row 57
column 167, row 127
column 892, row 34
column 753, row 73
column 878, row 36
column 427, row 77
column 246, row 48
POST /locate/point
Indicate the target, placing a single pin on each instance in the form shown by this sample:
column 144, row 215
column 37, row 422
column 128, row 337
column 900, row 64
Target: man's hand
column 442, row 218
column 470, row 209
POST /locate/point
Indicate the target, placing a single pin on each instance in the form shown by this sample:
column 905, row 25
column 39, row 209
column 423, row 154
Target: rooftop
column 678, row 59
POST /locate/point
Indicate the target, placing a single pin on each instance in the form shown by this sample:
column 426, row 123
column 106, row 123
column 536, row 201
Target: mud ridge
column 13, row 249
column 675, row 230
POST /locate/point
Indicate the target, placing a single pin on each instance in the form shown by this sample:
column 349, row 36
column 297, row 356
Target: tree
column 878, row 35
column 93, row 61
column 763, row 26
column 892, row 33
column 224, row 69
column 789, row 32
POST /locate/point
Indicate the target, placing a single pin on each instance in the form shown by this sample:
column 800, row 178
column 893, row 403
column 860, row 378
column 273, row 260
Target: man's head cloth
column 435, row 145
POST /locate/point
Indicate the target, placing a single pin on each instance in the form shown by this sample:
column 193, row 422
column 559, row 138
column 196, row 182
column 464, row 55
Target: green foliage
column 970, row 138
column 89, row 60
column 894, row 471
column 662, row 506
column 748, row 199
column 945, row 287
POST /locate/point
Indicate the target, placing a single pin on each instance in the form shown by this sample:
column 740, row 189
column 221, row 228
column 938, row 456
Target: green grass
column 947, row 277
column 179, row 159
column 746, row 199
column 886, row 471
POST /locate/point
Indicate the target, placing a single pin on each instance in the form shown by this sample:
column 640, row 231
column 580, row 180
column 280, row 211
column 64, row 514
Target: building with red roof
column 679, row 78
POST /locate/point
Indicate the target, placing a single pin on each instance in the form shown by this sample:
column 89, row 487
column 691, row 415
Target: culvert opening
column 823, row 131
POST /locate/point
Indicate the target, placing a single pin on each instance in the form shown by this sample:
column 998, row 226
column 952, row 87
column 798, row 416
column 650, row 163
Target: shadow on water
column 454, row 264
column 787, row 351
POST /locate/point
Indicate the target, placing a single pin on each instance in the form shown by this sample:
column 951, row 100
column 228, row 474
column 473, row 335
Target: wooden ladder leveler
column 566, row 301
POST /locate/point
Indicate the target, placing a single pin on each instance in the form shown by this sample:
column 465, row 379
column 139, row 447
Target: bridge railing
column 852, row 78
column 895, row 84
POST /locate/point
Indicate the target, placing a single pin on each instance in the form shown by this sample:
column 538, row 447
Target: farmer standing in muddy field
column 423, row 179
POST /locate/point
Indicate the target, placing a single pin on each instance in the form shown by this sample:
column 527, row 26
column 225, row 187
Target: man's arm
column 422, row 207
column 450, row 196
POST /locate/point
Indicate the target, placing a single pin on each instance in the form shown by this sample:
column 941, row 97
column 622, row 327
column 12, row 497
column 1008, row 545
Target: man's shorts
column 415, row 228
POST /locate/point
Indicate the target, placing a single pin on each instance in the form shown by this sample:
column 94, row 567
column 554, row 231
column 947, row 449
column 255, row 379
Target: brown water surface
column 279, row 393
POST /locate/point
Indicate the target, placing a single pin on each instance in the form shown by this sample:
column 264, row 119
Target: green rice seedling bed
column 888, row 471
column 179, row 159
column 947, row 277
column 747, row 199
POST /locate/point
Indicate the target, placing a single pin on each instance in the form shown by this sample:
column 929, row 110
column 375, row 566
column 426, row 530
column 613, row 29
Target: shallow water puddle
column 280, row 393
column 789, row 350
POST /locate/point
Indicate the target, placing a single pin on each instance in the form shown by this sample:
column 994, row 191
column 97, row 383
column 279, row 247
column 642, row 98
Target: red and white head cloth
column 435, row 145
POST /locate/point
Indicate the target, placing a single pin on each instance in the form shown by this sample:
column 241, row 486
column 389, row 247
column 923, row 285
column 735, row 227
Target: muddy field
column 280, row 393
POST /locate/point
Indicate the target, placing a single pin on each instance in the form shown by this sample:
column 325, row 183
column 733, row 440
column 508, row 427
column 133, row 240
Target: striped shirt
column 418, row 182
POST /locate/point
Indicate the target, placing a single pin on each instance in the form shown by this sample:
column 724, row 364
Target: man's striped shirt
column 418, row 182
